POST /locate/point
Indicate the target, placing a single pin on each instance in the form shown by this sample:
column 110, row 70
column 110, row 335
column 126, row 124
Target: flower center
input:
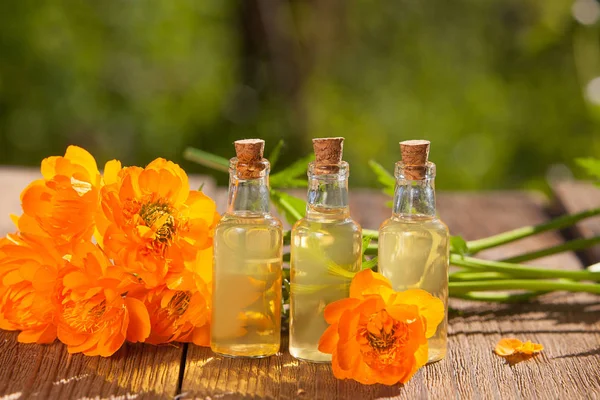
column 178, row 304
column 160, row 216
column 85, row 319
column 381, row 338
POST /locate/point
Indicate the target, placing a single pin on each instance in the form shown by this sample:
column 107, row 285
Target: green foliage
column 140, row 80
column 290, row 207
column 274, row 155
column 458, row 245
column 590, row 165
column 290, row 176
column 384, row 177
column 207, row 159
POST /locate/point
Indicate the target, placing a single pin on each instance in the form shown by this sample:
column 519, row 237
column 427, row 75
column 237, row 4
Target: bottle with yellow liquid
column 248, row 250
column 324, row 243
column 414, row 243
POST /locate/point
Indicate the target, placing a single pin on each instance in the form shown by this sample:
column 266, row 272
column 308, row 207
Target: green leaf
column 290, row 207
column 288, row 177
column 384, row 177
column 458, row 245
column 274, row 155
column 201, row 186
column 591, row 165
column 207, row 159
column 366, row 240
column 369, row 264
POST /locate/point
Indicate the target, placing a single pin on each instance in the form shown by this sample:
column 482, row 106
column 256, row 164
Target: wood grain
column 568, row 325
column 576, row 196
column 49, row 372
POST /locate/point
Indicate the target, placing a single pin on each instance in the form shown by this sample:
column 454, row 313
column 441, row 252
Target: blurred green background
column 508, row 91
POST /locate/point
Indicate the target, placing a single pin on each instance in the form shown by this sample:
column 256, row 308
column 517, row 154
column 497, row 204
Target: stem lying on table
column 476, row 246
column 461, row 276
column 521, row 271
column 460, row 288
column 573, row 245
column 498, row 297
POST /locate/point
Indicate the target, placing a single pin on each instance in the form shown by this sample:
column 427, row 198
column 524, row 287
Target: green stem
column 460, row 288
column 476, row 246
column 498, row 297
column 572, row 245
column 476, row 276
column 207, row 159
column 372, row 249
column 522, row 271
column 371, row 232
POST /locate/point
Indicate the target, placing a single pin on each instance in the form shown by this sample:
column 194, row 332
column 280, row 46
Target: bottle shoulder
column 266, row 220
column 311, row 224
column 407, row 224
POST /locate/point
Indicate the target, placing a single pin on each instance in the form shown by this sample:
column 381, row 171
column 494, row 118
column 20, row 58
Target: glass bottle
column 327, row 238
column 248, row 249
column 414, row 243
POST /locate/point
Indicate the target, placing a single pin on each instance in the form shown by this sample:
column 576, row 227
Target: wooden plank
column 568, row 325
column 49, row 372
column 576, row 196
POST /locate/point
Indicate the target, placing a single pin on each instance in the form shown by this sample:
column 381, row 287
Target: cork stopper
column 414, row 156
column 328, row 154
column 249, row 153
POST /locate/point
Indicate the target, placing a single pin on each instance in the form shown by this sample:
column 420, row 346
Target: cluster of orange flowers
column 100, row 259
column 378, row 335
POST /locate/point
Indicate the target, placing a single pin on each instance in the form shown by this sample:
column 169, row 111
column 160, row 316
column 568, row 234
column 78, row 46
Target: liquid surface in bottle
column 246, row 317
column 324, row 242
column 413, row 254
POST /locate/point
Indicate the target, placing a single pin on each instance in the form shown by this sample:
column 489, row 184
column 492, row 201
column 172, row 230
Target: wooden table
column 568, row 325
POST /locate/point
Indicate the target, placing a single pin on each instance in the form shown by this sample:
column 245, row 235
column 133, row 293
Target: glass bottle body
column 326, row 239
column 247, row 276
column 414, row 248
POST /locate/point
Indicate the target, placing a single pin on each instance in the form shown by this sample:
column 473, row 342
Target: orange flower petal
column 530, row 348
column 507, row 347
column 367, row 279
column 40, row 335
column 334, row 310
column 328, row 341
column 403, row 312
column 79, row 156
column 111, row 172
column 201, row 336
column 139, row 320
column 430, row 307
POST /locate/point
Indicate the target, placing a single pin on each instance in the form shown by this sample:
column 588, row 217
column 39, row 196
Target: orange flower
column 28, row 270
column 156, row 226
column 96, row 307
column 510, row 346
column 378, row 335
column 178, row 315
column 63, row 204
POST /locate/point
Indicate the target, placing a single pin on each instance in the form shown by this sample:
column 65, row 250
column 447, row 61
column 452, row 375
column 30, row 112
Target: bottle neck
column 248, row 196
column 414, row 198
column 328, row 192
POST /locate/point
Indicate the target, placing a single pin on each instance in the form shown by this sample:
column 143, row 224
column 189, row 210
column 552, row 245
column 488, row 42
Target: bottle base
column 246, row 350
column 313, row 356
column 435, row 356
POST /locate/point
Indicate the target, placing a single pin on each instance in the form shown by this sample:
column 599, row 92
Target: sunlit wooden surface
column 568, row 325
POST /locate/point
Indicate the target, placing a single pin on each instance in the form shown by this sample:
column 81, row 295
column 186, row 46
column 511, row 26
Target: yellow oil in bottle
column 328, row 240
column 246, row 316
column 413, row 254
